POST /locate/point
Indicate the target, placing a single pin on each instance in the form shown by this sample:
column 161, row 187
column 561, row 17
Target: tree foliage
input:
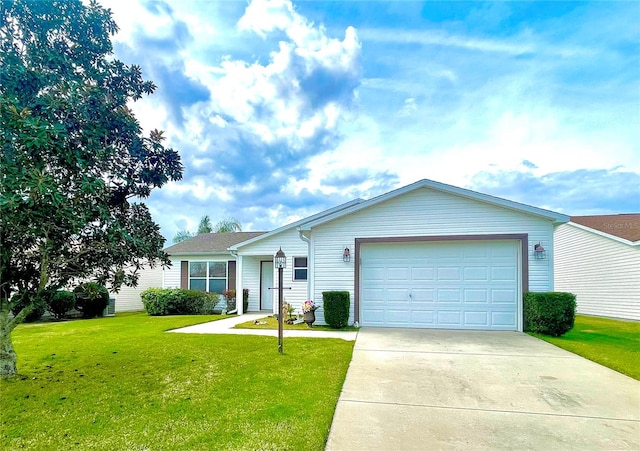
column 75, row 161
column 228, row 225
column 224, row 226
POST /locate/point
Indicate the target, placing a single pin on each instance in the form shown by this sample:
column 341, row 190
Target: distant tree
column 205, row 225
column 228, row 225
column 73, row 157
column 182, row 235
column 224, row 226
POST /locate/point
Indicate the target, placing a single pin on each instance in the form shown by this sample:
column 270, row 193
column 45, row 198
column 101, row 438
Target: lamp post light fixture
column 539, row 252
column 346, row 254
column 280, row 262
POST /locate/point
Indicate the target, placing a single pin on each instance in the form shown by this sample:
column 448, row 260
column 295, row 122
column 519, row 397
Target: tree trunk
column 8, row 358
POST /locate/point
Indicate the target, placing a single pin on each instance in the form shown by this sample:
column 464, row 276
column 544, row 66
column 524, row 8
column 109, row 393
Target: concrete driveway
column 411, row 389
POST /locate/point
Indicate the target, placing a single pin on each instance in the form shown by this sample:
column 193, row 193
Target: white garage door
column 449, row 285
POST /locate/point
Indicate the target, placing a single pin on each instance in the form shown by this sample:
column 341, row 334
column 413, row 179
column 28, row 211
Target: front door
column 266, row 285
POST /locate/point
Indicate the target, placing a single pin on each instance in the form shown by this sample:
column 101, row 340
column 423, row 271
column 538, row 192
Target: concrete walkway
column 225, row 326
column 409, row 389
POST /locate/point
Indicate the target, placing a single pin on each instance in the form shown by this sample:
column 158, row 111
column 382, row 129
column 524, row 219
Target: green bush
column 91, row 299
column 336, row 308
column 23, row 299
column 61, row 303
column 551, row 313
column 176, row 301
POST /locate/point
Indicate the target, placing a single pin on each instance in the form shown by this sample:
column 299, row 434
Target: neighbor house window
column 299, row 268
column 208, row 276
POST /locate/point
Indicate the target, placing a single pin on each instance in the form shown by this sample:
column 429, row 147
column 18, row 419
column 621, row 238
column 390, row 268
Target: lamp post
column 280, row 262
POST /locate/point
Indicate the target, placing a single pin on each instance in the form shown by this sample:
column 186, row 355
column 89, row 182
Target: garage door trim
column 522, row 237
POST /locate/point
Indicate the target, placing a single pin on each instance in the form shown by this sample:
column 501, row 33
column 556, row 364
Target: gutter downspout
column 235, row 254
column 308, row 241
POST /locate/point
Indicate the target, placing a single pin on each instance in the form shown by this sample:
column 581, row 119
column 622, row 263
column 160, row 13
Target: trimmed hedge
column 551, row 313
column 336, row 308
column 61, row 303
column 176, row 301
column 91, row 299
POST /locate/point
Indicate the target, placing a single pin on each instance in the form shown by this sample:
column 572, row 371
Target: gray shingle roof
column 210, row 242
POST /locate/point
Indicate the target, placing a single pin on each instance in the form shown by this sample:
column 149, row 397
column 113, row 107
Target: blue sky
column 280, row 109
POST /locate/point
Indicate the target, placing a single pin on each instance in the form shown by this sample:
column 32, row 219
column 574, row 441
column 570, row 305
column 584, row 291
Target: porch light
column 280, row 260
column 539, row 252
column 346, row 254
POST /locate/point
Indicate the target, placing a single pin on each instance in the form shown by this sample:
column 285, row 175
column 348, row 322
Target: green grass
column 609, row 342
column 272, row 323
column 122, row 383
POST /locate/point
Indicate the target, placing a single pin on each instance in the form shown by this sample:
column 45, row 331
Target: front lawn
column 122, row 383
column 609, row 342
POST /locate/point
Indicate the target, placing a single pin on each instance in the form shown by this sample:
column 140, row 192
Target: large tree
column 75, row 163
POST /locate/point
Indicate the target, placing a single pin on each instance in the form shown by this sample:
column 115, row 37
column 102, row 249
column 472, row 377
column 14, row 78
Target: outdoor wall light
column 539, row 252
column 280, row 260
column 346, row 254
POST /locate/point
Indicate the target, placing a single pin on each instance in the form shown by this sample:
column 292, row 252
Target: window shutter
column 231, row 275
column 184, row 275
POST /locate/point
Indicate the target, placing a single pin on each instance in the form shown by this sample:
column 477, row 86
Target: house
column 426, row 255
column 598, row 259
column 127, row 299
column 205, row 262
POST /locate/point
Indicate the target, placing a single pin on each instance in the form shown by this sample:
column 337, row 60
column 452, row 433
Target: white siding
column 603, row 273
column 128, row 298
column 265, row 249
column 171, row 276
column 423, row 212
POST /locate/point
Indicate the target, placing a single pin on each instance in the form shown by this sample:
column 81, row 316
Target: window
column 299, row 268
column 208, row 276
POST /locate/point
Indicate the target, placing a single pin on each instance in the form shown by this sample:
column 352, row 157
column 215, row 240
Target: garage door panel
column 471, row 284
column 472, row 296
column 422, row 317
column 479, row 318
column 504, row 297
column 372, row 274
column 447, row 296
column 479, row 273
column 449, row 317
column 423, row 295
column 398, row 273
column 506, row 320
column 422, row 273
column 397, row 317
column 507, row 273
column 397, row 295
column 449, row 273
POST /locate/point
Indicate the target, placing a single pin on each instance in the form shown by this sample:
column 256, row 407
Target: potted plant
column 309, row 312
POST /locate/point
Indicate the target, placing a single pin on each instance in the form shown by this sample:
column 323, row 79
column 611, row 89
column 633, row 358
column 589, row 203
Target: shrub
column 61, row 303
column 551, row 313
column 336, row 308
column 176, row 301
column 23, row 299
column 91, row 299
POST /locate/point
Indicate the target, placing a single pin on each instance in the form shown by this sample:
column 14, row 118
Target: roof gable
column 625, row 226
column 430, row 184
column 210, row 243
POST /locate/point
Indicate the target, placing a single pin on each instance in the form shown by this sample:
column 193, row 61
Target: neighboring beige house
column 427, row 255
column 128, row 298
column 598, row 259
